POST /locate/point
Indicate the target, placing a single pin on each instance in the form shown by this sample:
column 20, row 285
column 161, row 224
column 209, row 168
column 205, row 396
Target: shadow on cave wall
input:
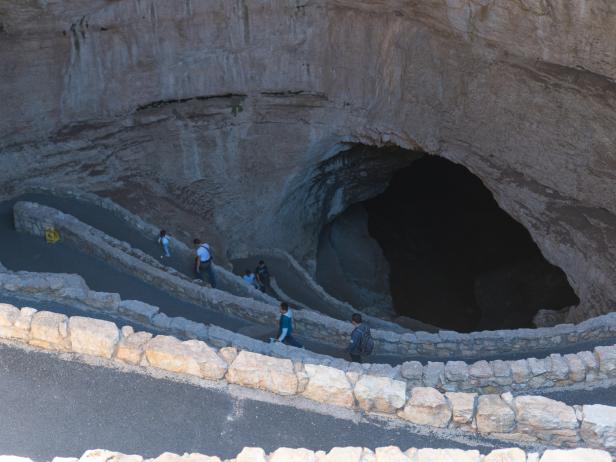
column 457, row 260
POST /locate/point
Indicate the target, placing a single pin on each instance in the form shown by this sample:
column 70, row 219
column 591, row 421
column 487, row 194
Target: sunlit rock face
column 234, row 110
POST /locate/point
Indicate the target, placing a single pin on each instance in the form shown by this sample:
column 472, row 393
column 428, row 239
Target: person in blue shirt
column 250, row 279
column 285, row 329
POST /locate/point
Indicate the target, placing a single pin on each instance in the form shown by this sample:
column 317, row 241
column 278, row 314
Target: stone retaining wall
column 227, row 280
column 555, row 371
column 31, row 218
column 525, row 418
column 350, row 454
column 344, row 310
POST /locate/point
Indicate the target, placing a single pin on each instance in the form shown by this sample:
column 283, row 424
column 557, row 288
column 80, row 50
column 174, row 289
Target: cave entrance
column 436, row 247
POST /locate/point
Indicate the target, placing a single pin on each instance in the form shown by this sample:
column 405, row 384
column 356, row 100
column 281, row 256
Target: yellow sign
column 51, row 235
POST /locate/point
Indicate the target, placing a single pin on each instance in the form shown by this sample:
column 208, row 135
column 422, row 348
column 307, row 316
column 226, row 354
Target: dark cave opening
column 456, row 259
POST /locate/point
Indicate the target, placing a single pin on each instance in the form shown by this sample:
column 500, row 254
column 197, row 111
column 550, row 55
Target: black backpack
column 366, row 344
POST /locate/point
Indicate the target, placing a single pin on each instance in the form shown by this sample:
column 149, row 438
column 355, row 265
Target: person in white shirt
column 163, row 240
column 203, row 262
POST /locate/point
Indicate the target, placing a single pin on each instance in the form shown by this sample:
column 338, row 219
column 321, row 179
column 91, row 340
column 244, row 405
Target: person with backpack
column 203, row 262
column 163, row 240
column 263, row 277
column 362, row 343
column 285, row 328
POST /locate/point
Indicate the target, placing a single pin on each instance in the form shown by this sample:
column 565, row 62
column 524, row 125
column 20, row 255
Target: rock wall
column 233, row 111
column 590, row 368
column 351, row 454
column 389, row 338
column 527, row 419
column 351, row 265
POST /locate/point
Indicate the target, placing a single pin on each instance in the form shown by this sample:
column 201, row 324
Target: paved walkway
column 33, row 254
column 52, row 407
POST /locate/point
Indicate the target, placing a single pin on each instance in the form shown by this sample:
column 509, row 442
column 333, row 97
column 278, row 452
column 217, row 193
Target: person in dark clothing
column 359, row 338
column 285, row 329
column 263, row 277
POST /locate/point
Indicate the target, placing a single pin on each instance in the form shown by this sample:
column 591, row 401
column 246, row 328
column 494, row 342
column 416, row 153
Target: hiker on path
column 163, row 240
column 203, row 262
column 362, row 343
column 263, row 277
column 250, row 279
column 285, row 329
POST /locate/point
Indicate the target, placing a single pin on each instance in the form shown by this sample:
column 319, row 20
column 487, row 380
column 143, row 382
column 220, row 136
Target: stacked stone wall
column 230, row 281
column 590, row 368
column 30, row 217
column 350, row 454
column 525, row 418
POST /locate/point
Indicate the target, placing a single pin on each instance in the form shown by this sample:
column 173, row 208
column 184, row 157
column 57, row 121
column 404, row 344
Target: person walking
column 250, row 279
column 203, row 262
column 163, row 240
column 263, row 277
column 285, row 328
column 362, row 343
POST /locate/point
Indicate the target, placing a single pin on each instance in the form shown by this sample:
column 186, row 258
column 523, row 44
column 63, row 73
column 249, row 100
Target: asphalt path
column 599, row 395
column 25, row 252
column 72, row 407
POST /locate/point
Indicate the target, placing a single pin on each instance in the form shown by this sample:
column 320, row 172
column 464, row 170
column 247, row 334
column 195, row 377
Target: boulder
column 104, row 300
column 506, row 455
column 577, row 369
column 502, row 372
column 137, row 310
column 427, row 406
column 263, row 372
column 228, row 354
column 412, row 370
column 368, row 455
column 101, row 455
column 590, row 363
column 191, row 357
column 196, row 457
column 343, row 455
column 434, row 374
column 599, row 426
column 559, row 369
column 390, row 454
column 481, row 370
column 8, row 315
column 493, row 415
column 328, row 385
column 456, row 371
column 446, row 455
column 251, row 455
column 546, row 419
column 575, row 455
column 93, row 336
column 131, row 348
column 520, row 371
column 292, row 455
column 462, row 406
column 50, row 331
column 380, row 394
column 606, row 356
column 21, row 327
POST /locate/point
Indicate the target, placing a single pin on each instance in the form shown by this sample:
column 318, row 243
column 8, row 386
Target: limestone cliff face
column 236, row 110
